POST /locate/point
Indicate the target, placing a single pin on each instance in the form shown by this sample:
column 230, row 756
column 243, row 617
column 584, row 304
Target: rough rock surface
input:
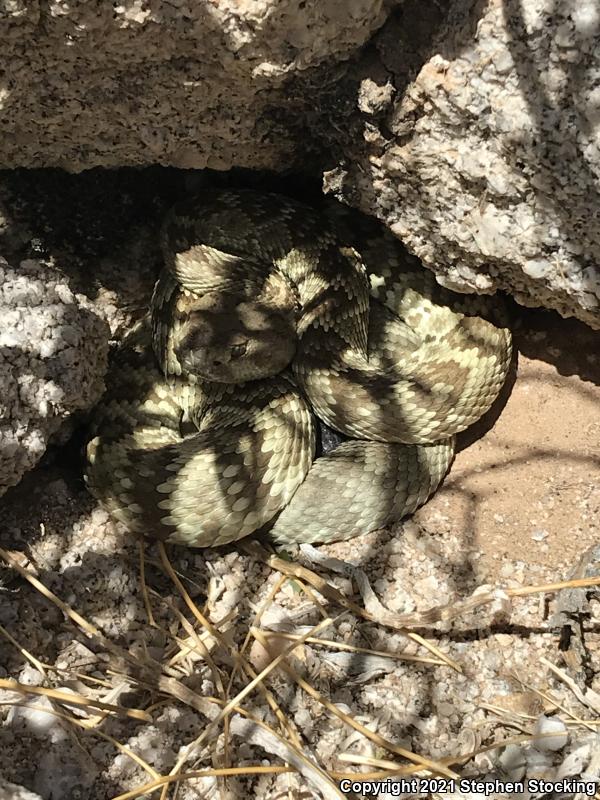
column 471, row 129
column 487, row 164
column 53, row 356
column 10, row 791
column 190, row 83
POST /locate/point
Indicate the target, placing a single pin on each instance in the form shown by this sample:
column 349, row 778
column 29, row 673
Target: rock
column 486, row 164
column 469, row 129
column 513, row 762
column 35, row 716
column 552, row 732
column 189, row 83
column 10, row 791
column 53, row 357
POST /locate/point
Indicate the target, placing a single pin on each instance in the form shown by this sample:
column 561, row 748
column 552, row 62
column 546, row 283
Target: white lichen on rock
column 53, row 357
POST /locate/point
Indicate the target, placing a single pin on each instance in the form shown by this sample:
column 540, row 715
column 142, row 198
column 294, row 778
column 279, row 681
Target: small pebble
column 539, row 535
column 550, row 725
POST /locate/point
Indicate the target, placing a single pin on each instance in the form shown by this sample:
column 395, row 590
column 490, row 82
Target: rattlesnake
column 262, row 317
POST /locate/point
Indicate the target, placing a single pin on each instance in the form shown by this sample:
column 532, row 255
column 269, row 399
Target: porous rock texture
column 471, row 129
column 188, row 83
column 486, row 160
column 53, row 356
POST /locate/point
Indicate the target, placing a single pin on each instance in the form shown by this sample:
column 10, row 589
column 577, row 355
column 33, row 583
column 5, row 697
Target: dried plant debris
column 228, row 674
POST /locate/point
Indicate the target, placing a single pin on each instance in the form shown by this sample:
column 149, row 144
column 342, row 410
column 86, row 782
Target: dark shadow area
column 486, row 422
column 323, row 100
column 99, row 224
column 79, row 219
column 545, row 336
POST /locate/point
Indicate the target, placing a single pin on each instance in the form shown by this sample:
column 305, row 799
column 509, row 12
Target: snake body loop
column 262, row 316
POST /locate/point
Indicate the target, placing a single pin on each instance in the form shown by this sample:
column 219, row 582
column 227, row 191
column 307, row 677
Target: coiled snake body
column 262, row 316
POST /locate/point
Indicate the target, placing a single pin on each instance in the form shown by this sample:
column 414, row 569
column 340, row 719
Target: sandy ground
column 529, row 489
column 521, row 506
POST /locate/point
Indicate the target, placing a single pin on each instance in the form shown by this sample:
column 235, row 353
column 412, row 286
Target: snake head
column 233, row 339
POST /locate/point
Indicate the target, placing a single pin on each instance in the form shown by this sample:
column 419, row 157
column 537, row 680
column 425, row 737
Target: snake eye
column 238, row 350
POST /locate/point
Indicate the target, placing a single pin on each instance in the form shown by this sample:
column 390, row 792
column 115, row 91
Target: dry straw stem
column 211, row 729
column 257, row 617
column 44, row 668
column 160, row 681
column 185, row 647
column 459, row 760
column 201, row 773
column 294, row 755
column 424, row 763
column 587, row 698
column 331, row 593
column 312, row 597
column 84, row 724
column 202, row 649
column 182, row 693
column 286, row 725
column 74, row 699
column 142, row 567
column 90, row 630
column 186, row 695
column 91, row 722
column 264, row 737
column 422, row 619
column 575, row 583
column 550, row 701
column 259, row 733
column 240, row 661
column 205, row 705
column 355, row 648
column 41, row 668
column 518, row 719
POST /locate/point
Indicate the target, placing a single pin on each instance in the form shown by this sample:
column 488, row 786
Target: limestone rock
column 53, row 357
column 487, row 164
column 188, row 83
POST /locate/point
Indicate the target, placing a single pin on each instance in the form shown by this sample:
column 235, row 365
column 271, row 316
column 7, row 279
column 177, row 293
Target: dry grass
column 198, row 639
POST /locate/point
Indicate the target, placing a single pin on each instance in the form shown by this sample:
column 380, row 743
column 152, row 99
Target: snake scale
column 263, row 317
